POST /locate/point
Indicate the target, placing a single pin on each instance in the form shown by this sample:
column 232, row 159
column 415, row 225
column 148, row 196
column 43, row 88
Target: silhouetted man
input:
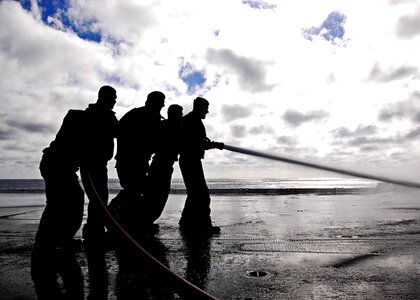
column 63, row 213
column 161, row 168
column 196, row 213
column 136, row 142
column 100, row 131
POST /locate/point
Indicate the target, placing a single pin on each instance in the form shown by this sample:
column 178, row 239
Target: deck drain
column 257, row 274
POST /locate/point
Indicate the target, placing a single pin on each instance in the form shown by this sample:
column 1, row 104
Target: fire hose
column 181, row 284
column 184, row 285
column 321, row 167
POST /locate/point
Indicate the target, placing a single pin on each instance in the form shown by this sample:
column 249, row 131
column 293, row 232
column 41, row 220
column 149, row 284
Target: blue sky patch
column 331, row 29
column 58, row 9
column 26, row 4
column 193, row 78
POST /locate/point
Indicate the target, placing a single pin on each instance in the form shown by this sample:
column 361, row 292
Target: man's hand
column 218, row 145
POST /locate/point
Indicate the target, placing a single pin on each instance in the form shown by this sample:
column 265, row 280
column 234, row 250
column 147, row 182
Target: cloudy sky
column 333, row 82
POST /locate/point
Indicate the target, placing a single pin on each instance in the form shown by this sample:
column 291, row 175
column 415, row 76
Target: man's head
column 155, row 101
column 201, row 107
column 107, row 96
column 175, row 113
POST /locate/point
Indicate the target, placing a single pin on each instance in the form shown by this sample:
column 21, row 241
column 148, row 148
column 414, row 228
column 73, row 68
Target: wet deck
column 271, row 247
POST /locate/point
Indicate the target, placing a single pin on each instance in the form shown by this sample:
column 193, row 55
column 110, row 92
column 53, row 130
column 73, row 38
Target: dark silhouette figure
column 161, row 169
column 100, row 130
column 137, row 277
column 196, row 213
column 63, row 213
column 197, row 254
column 136, row 142
column 47, row 268
column 79, row 142
column 97, row 273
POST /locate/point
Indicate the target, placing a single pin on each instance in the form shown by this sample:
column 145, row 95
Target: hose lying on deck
column 183, row 286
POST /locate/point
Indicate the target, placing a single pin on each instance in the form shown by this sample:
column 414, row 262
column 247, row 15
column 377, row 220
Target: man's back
column 137, row 134
column 100, row 131
column 66, row 149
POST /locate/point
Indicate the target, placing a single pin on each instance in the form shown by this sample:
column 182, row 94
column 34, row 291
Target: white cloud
column 408, row 26
column 296, row 118
column 261, row 76
column 250, row 72
column 117, row 20
column 402, row 72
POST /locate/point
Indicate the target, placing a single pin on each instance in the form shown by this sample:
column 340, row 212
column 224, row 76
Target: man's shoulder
column 94, row 112
column 191, row 118
column 140, row 109
column 134, row 112
column 76, row 112
column 75, row 115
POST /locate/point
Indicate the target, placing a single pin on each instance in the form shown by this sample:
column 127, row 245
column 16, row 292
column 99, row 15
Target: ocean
column 221, row 185
column 30, row 192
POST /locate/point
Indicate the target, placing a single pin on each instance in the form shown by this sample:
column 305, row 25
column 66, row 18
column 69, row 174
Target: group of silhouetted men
column 147, row 148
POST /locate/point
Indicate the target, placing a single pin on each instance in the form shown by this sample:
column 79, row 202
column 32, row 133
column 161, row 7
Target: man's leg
column 127, row 204
column 196, row 210
column 63, row 213
column 95, row 183
column 157, row 189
